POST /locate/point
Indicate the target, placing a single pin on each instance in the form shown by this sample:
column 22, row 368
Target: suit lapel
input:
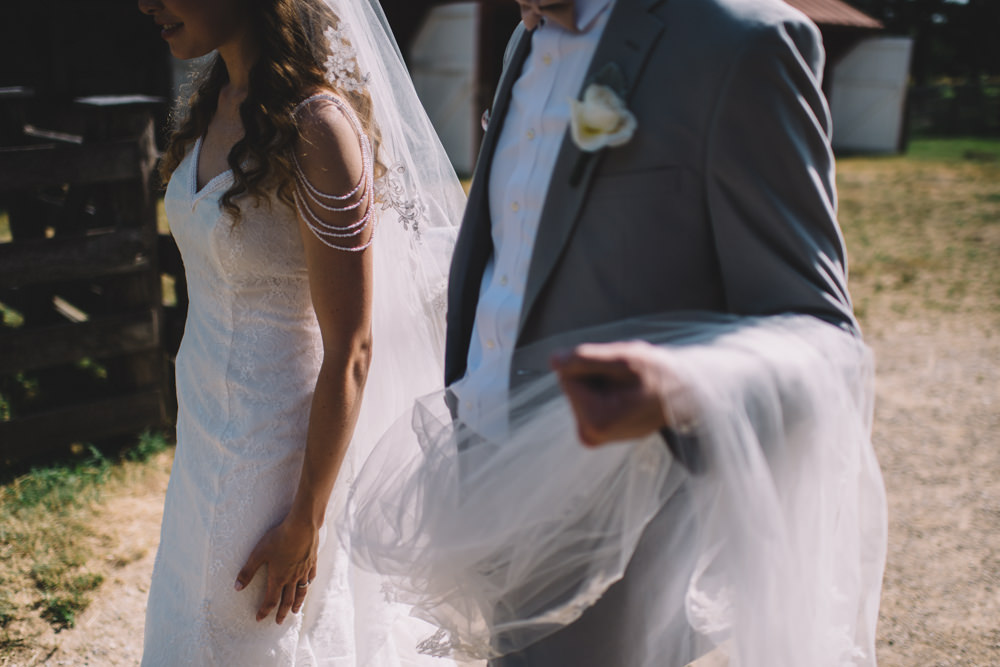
column 501, row 101
column 629, row 36
column 474, row 245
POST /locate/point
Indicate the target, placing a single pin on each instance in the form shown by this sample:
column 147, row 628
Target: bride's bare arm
column 333, row 200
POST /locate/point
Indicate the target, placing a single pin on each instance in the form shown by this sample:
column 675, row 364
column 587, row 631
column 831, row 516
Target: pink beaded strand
column 307, row 196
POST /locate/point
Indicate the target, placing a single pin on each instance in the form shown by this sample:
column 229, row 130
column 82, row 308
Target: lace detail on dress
column 439, row 299
column 394, row 190
column 442, row 645
column 308, row 198
column 709, row 612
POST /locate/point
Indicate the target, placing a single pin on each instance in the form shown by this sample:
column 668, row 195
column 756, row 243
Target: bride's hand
column 289, row 551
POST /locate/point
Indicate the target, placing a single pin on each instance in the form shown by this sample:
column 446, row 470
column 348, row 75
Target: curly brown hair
column 290, row 67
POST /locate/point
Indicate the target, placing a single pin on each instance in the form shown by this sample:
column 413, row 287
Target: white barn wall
column 868, row 95
column 443, row 64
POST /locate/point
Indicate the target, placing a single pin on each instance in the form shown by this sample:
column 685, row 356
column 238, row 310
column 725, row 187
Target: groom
column 721, row 199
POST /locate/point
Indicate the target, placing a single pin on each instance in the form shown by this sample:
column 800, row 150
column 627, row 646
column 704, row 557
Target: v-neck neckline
column 213, row 183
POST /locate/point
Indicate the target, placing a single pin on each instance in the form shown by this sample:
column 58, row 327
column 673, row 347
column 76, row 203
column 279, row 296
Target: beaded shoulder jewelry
column 309, row 199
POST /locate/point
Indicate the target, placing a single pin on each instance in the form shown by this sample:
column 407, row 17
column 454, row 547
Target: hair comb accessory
column 342, row 69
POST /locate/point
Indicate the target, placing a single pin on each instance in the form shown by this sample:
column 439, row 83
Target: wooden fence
column 81, row 353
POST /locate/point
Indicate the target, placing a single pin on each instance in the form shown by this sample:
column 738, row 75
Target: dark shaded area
column 68, row 48
column 955, row 39
column 81, row 357
column 956, row 62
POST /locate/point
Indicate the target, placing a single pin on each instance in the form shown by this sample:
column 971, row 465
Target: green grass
column 162, row 225
column 954, row 150
column 10, row 317
column 57, row 488
column 8, row 612
column 923, row 230
column 49, row 546
column 149, row 445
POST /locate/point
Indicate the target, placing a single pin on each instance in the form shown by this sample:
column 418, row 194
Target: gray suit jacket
column 722, row 201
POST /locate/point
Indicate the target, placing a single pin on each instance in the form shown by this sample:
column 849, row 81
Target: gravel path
column 937, row 433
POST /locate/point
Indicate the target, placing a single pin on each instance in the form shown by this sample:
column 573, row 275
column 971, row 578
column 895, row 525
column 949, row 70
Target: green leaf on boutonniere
column 610, row 75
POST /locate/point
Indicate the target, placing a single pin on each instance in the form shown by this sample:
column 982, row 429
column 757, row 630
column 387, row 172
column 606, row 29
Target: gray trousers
column 613, row 632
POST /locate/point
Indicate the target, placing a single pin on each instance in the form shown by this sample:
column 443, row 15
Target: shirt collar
column 587, row 11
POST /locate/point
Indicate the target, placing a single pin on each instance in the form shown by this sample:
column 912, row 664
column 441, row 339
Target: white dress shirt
column 535, row 125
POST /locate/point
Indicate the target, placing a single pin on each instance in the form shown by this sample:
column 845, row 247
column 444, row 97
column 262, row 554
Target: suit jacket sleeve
column 770, row 181
column 772, row 203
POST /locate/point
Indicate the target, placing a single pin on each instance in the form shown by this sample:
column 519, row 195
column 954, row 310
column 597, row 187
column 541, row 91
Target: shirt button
column 530, row 134
column 547, row 59
column 503, row 281
column 515, row 207
column 468, row 405
column 490, row 344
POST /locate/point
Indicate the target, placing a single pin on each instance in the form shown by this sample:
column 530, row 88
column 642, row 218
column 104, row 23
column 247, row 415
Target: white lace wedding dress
column 246, row 371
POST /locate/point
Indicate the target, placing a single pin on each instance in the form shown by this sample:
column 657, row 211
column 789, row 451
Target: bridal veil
column 418, row 205
column 769, row 548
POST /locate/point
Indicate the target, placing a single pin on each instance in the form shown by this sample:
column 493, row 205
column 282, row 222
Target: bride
column 312, row 204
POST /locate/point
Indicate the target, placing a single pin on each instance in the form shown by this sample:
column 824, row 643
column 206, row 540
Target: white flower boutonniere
column 600, row 119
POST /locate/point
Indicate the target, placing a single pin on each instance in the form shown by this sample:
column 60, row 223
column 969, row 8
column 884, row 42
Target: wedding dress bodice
column 247, row 283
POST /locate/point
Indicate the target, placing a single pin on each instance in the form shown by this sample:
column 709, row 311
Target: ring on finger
column 302, row 584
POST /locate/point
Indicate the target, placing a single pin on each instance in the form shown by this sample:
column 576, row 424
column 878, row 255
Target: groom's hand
column 618, row 391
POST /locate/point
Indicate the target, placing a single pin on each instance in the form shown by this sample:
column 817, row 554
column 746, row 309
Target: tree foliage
column 953, row 38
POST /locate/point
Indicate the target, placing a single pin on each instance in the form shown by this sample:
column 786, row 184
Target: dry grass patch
column 56, row 548
column 5, row 236
column 923, row 230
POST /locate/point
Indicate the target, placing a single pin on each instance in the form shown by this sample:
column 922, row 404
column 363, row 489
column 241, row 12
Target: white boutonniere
column 600, row 119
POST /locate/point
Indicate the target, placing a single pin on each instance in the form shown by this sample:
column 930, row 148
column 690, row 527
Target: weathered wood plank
column 38, row 434
column 23, row 350
column 49, row 164
column 53, row 260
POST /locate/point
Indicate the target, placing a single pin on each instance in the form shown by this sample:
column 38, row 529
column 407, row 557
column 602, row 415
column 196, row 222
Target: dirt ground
column 936, row 433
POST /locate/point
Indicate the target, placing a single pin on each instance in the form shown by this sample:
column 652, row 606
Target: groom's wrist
column 683, row 442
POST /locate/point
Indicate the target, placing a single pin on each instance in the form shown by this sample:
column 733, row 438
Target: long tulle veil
column 419, row 203
column 418, row 206
column 770, row 552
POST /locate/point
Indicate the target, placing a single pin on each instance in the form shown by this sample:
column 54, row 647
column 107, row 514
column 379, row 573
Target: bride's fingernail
column 239, row 585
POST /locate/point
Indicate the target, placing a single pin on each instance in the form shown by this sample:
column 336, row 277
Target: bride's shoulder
column 320, row 105
column 323, row 116
column 328, row 151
